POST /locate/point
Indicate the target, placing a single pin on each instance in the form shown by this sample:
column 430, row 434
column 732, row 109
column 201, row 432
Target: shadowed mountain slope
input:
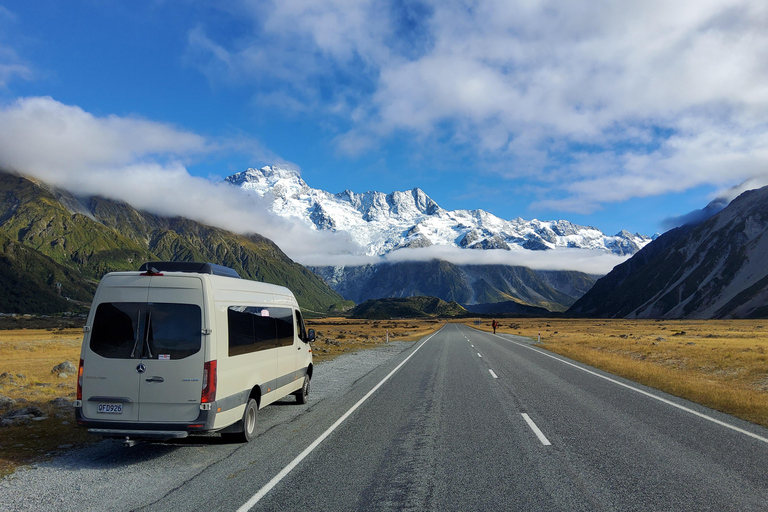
column 716, row 269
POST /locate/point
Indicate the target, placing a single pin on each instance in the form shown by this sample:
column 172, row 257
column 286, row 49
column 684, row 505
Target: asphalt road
column 462, row 420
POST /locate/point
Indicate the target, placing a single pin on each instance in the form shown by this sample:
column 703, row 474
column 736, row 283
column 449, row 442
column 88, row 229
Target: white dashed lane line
column 536, row 430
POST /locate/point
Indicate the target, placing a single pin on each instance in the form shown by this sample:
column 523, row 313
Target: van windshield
column 136, row 330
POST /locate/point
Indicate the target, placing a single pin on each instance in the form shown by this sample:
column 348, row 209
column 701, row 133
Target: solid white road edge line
column 536, row 430
column 309, row 449
column 650, row 395
column 493, row 374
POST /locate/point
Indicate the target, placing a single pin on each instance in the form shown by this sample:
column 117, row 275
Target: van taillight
column 80, row 381
column 209, row 382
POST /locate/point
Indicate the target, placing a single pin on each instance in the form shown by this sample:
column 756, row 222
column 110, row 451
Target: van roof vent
column 189, row 266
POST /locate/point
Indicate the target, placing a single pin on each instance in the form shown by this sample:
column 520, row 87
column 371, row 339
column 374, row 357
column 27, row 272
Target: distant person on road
column 495, row 324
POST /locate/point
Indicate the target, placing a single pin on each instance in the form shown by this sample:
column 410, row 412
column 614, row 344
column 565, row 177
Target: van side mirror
column 310, row 336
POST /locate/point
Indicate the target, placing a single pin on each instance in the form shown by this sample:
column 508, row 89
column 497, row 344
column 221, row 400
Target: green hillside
column 32, row 282
column 92, row 236
column 406, row 307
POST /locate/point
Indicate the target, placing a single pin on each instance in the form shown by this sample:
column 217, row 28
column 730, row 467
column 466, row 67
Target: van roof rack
column 193, row 267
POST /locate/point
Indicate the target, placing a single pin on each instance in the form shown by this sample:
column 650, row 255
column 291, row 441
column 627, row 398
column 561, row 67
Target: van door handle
column 155, row 379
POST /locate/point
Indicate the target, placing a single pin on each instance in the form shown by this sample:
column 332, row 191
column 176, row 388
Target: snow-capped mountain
column 384, row 222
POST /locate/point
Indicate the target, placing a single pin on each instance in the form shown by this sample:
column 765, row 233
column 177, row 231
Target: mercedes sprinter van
column 180, row 348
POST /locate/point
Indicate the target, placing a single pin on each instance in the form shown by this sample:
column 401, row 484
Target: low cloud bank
column 696, row 216
column 141, row 162
column 582, row 260
column 723, row 199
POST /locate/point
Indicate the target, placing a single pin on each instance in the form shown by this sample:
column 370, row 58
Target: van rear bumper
column 144, row 430
column 139, row 434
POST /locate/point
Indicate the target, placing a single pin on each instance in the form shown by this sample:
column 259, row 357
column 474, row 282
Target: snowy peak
column 376, row 206
column 381, row 223
column 279, row 181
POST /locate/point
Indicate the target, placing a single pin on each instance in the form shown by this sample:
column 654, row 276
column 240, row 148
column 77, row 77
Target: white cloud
column 41, row 133
column 9, row 71
column 583, row 260
column 604, row 101
column 12, row 66
column 139, row 161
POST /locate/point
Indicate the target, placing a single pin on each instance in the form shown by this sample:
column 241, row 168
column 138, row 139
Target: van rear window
column 259, row 328
column 136, row 330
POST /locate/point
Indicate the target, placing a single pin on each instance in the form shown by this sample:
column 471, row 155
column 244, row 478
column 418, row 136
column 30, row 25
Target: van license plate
column 111, row 408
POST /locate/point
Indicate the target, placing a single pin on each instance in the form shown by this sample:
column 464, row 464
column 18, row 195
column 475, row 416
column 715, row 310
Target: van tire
column 249, row 422
column 302, row 395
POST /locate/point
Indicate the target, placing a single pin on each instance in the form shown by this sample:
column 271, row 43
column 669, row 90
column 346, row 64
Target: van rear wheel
column 250, row 417
column 302, row 395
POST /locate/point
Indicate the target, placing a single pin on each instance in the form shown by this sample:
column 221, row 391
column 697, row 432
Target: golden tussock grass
column 721, row 364
column 27, row 358
column 336, row 336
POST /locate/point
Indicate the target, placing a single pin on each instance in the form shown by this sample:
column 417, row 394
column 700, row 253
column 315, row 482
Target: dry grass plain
column 338, row 335
column 718, row 363
column 27, row 357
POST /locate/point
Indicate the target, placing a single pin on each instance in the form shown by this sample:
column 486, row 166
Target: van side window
column 135, row 330
column 300, row 326
column 253, row 328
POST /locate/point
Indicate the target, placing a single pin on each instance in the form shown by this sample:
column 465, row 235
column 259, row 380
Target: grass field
column 338, row 335
column 721, row 364
column 27, row 357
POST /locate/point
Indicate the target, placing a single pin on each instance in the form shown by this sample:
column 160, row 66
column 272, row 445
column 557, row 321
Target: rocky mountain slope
column 716, row 269
column 465, row 284
column 83, row 238
column 381, row 223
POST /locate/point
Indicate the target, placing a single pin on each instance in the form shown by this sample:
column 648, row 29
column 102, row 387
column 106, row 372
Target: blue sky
column 604, row 113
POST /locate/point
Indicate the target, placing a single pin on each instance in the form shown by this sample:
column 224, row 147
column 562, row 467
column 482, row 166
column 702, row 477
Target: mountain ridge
column 715, row 269
column 381, row 223
column 466, row 284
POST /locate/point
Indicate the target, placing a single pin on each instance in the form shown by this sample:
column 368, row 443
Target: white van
column 180, row 348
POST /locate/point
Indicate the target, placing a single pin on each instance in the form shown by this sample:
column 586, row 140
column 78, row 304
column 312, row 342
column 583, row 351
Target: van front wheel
column 250, row 417
column 302, row 395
